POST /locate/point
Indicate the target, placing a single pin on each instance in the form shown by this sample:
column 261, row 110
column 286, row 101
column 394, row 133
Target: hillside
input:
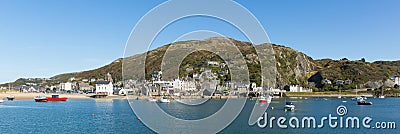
column 292, row 67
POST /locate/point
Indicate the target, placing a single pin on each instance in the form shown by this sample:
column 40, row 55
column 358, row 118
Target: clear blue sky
column 43, row 38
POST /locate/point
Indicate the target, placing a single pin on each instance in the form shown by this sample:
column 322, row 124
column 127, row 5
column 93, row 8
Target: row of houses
column 338, row 82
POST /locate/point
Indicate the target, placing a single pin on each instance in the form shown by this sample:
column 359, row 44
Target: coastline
column 326, row 94
column 30, row 96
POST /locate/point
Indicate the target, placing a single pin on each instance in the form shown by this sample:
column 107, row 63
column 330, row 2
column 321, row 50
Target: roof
column 102, row 82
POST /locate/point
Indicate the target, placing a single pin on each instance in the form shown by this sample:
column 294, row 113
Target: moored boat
column 362, row 100
column 10, row 98
column 164, row 99
column 1, row 101
column 56, row 97
column 152, row 100
column 40, row 98
column 263, row 99
column 289, row 106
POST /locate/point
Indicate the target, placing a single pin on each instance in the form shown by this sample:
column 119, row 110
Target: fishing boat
column 289, row 106
column 10, row 98
column 362, row 100
column 56, row 97
column 164, row 99
column 40, row 99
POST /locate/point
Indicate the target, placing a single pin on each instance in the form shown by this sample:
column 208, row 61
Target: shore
column 326, row 94
column 30, row 96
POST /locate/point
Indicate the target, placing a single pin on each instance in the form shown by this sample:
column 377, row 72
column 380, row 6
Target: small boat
column 56, row 97
column 152, row 100
column 1, row 101
column 40, row 99
column 382, row 96
column 10, row 98
column 362, row 101
column 263, row 99
column 289, row 106
column 164, row 99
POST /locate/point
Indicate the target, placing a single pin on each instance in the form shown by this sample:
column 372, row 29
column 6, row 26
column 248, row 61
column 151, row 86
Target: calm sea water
column 116, row 116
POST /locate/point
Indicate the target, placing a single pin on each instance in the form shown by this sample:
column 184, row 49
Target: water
column 116, row 116
column 72, row 116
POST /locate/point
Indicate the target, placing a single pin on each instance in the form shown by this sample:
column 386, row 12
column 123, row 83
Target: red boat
column 56, row 97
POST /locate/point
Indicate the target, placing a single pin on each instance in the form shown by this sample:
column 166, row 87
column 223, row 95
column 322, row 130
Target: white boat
column 10, row 98
column 289, row 106
column 382, row 96
column 362, row 100
column 1, row 101
column 152, row 100
column 164, row 100
column 263, row 99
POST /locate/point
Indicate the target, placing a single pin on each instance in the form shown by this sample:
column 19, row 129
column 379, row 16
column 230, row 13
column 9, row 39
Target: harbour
column 116, row 116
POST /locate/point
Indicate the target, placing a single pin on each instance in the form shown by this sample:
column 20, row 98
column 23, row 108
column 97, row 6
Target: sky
column 43, row 38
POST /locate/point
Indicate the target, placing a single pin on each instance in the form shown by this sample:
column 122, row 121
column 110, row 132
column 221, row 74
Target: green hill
column 292, row 67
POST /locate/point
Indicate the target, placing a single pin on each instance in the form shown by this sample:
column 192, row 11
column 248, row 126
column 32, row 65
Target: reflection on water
column 192, row 112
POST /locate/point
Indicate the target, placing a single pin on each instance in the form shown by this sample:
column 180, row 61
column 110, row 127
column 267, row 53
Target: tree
column 362, row 59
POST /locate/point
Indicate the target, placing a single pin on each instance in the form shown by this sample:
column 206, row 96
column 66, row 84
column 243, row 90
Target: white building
column 396, row 80
column 66, row 86
column 297, row 88
column 85, row 80
column 326, row 81
column 177, row 84
column 104, row 87
column 189, row 85
column 214, row 63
